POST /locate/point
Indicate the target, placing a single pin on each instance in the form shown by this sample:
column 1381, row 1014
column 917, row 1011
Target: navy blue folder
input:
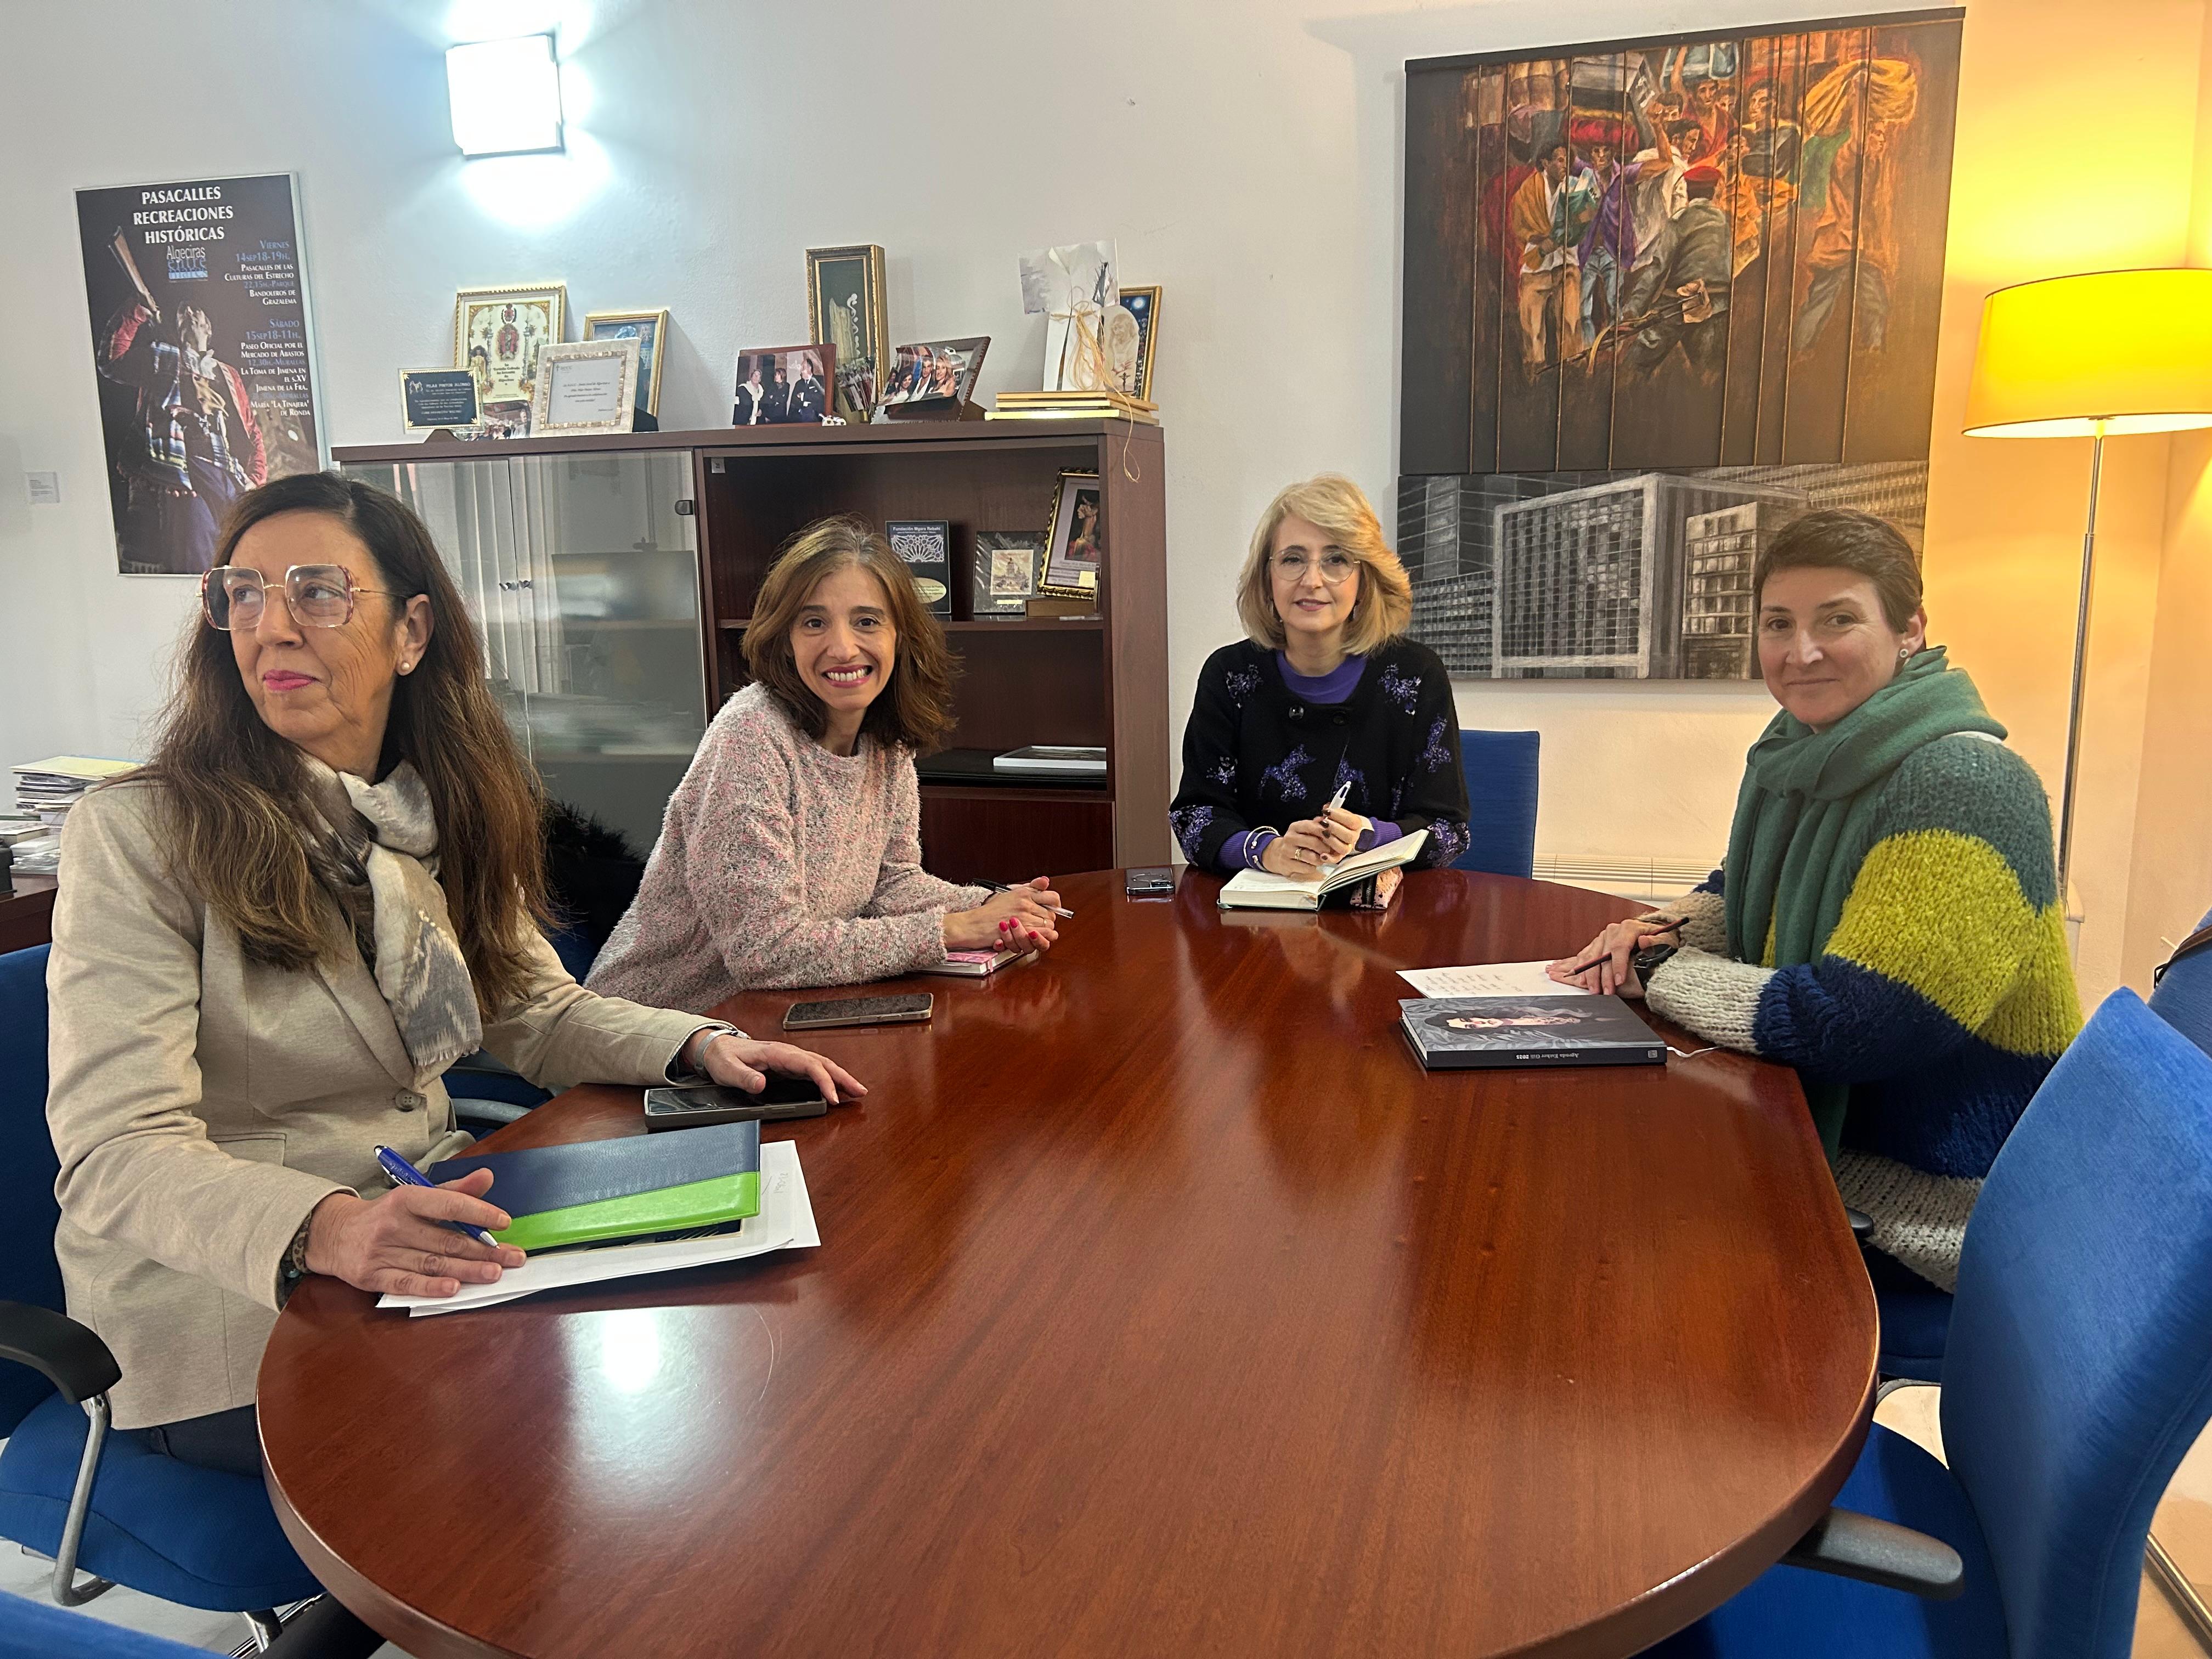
column 704, row 1175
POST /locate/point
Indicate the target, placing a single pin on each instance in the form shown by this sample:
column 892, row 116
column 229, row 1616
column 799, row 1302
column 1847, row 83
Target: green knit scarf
column 1808, row 794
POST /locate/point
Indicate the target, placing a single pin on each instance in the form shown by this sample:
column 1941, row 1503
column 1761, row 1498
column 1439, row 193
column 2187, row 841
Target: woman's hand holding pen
column 1606, row 964
column 1023, row 918
column 1300, row 851
column 398, row 1245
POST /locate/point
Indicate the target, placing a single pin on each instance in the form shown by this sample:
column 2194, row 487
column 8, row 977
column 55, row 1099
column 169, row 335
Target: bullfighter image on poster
column 200, row 331
column 1661, row 297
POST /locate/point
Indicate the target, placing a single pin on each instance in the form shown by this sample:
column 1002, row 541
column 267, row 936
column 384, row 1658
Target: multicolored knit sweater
column 1942, row 997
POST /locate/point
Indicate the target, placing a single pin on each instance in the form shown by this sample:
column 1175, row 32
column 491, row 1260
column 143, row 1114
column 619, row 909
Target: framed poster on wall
column 1661, row 296
column 197, row 297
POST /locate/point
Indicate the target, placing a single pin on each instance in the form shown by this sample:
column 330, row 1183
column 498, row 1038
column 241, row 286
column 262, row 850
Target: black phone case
column 784, row 1097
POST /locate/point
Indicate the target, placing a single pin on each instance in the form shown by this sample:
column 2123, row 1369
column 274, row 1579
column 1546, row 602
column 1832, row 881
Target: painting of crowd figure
column 1710, row 250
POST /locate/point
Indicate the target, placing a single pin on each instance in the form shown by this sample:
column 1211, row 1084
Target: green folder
column 628, row 1187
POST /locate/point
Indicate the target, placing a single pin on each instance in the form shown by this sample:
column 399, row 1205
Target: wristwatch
column 1651, row 961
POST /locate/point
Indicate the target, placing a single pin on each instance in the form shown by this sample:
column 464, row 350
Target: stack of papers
column 47, row 789
column 1490, row 979
column 785, row 1221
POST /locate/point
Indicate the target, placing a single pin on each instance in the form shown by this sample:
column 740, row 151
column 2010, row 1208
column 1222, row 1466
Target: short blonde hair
column 1385, row 606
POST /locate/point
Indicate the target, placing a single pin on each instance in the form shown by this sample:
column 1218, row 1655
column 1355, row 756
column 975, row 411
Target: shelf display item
column 784, row 386
column 1005, row 567
column 437, row 400
column 649, row 329
column 845, row 307
column 934, row 378
column 499, row 331
column 1075, row 287
column 926, row 547
column 1131, row 354
column 586, row 388
column 1076, row 547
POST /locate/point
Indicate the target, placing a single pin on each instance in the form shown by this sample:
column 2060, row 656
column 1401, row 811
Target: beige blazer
column 202, row 1104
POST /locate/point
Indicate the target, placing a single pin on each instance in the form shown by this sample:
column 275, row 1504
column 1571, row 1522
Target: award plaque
column 926, row 547
column 437, row 400
column 585, row 388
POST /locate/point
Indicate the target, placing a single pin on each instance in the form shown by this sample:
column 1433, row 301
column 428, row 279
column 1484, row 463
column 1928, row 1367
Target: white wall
column 1245, row 154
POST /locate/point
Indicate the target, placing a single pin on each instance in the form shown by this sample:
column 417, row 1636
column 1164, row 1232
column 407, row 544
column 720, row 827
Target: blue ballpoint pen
column 405, row 1174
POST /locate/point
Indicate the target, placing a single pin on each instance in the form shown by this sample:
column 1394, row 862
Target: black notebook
column 1457, row 1033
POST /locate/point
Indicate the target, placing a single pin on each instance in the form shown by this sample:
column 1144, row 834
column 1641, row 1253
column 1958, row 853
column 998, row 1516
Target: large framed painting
column 1662, row 296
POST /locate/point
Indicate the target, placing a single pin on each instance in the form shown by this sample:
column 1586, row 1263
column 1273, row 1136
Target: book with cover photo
column 1459, row 1033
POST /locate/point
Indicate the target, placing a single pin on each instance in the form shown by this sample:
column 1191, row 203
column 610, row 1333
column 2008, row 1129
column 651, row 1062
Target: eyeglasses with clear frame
column 318, row 595
column 1336, row 566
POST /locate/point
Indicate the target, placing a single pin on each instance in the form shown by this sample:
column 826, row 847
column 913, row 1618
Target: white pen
column 1336, row 800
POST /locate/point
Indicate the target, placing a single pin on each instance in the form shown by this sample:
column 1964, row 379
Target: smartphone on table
column 695, row 1105
column 1149, row 881
column 908, row 1010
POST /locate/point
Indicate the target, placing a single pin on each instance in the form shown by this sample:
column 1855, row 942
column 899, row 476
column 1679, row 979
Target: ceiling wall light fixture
column 505, row 95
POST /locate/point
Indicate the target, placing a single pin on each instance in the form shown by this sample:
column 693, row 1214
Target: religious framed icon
column 1077, row 545
column 647, row 328
column 585, row 389
column 845, row 308
column 499, row 331
column 1005, row 567
column 1130, row 354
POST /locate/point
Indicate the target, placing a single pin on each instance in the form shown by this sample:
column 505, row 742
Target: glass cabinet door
column 584, row 579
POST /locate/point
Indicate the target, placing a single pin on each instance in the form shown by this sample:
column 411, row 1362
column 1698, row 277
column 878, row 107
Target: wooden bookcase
column 1099, row 681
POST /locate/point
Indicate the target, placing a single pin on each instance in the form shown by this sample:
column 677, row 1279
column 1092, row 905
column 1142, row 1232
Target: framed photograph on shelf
column 925, row 545
column 647, row 328
column 1132, row 359
column 935, row 373
column 499, row 331
column 437, row 400
column 585, row 389
column 845, row 307
column 1005, row 568
column 501, row 420
column 1077, row 546
column 784, row 386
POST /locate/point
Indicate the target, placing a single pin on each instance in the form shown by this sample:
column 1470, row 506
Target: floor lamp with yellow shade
column 2099, row 355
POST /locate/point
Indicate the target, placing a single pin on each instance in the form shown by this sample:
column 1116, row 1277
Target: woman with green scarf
column 1888, row 920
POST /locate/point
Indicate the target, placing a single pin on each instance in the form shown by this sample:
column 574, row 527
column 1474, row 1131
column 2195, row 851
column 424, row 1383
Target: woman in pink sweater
column 791, row 853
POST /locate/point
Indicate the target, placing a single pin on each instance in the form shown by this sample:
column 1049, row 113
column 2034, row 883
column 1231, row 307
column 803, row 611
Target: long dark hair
column 235, row 791
column 916, row 707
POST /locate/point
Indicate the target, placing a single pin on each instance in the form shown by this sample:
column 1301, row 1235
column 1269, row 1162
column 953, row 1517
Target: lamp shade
column 2130, row 350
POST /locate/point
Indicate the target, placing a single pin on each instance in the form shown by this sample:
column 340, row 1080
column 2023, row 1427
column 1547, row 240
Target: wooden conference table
column 1164, row 1306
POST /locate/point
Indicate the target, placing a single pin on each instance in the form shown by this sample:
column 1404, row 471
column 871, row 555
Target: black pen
column 1001, row 887
column 1673, row 927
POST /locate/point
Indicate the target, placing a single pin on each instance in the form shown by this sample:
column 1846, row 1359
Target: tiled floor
column 2185, row 1526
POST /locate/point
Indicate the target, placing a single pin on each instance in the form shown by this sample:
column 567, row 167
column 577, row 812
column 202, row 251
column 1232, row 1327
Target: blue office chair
column 2183, row 995
column 30, row 1630
column 1915, row 1321
column 2080, row 1370
column 68, row 1489
column 1501, row 801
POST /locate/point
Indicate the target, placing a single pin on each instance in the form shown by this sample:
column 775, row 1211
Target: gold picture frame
column 539, row 317
column 1147, row 313
column 650, row 330
column 584, row 403
column 1064, row 573
column 845, row 309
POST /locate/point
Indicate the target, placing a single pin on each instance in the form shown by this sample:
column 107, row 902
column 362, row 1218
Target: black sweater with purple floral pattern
column 1256, row 754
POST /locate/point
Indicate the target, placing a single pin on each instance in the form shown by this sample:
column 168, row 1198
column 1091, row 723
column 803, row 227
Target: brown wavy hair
column 915, row 707
column 236, row 794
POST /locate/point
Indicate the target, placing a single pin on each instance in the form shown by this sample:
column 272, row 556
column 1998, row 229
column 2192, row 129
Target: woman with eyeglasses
column 326, row 887
column 1324, row 694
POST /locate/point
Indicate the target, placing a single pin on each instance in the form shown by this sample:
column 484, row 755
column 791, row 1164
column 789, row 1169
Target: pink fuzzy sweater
column 780, row 863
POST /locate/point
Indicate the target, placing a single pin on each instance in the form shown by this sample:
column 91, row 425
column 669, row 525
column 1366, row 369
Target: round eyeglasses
column 318, row 595
column 1336, row 567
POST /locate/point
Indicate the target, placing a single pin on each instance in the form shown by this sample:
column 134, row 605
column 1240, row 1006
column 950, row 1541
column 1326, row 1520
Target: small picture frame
column 648, row 329
column 1133, row 368
column 1005, row 569
column 585, row 389
column 1075, row 550
column 784, row 386
column 437, row 400
column 925, row 547
column 934, row 376
column 845, row 308
column 499, row 331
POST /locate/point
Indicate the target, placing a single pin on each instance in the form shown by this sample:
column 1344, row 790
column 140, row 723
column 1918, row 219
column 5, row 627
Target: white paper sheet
column 1490, row 979
column 785, row 1221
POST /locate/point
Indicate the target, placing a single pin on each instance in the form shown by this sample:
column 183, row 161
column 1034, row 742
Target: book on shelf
column 1450, row 1034
column 49, row 788
column 1072, row 406
column 1051, row 757
column 1376, row 871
